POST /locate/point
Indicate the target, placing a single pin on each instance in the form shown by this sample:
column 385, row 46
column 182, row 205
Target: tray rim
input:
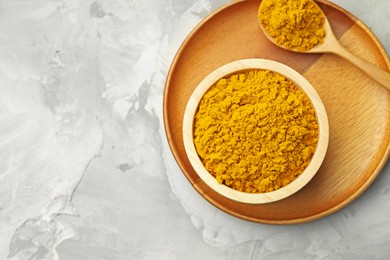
column 375, row 172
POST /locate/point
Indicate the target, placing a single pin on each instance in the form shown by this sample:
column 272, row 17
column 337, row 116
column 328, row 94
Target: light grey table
column 85, row 169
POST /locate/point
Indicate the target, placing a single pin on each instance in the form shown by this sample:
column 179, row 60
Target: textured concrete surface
column 85, row 170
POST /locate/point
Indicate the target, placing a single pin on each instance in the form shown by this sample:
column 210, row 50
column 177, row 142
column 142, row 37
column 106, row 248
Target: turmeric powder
column 255, row 131
column 295, row 24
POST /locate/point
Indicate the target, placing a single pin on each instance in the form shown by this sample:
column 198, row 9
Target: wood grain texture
column 332, row 45
column 241, row 66
column 358, row 108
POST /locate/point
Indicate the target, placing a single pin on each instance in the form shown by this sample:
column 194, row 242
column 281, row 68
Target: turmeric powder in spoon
column 300, row 25
column 294, row 24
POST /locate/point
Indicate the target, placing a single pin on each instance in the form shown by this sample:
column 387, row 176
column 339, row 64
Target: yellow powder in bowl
column 295, row 24
column 255, row 131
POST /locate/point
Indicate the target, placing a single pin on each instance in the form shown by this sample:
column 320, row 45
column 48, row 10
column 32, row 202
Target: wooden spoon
column 332, row 45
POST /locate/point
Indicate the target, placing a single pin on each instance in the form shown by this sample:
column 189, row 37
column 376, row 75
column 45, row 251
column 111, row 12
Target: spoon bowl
column 332, row 45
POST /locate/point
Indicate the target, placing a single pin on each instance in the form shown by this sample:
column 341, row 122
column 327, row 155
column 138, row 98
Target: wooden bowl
column 299, row 81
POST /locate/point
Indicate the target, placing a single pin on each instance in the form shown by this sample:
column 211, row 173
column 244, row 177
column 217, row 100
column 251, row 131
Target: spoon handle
column 374, row 72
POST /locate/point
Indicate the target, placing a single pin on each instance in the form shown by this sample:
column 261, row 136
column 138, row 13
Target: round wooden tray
column 357, row 107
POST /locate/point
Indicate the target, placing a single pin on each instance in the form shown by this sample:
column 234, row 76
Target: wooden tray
column 357, row 107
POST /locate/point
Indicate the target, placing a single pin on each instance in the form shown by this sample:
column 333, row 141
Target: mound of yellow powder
column 295, row 24
column 255, row 131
